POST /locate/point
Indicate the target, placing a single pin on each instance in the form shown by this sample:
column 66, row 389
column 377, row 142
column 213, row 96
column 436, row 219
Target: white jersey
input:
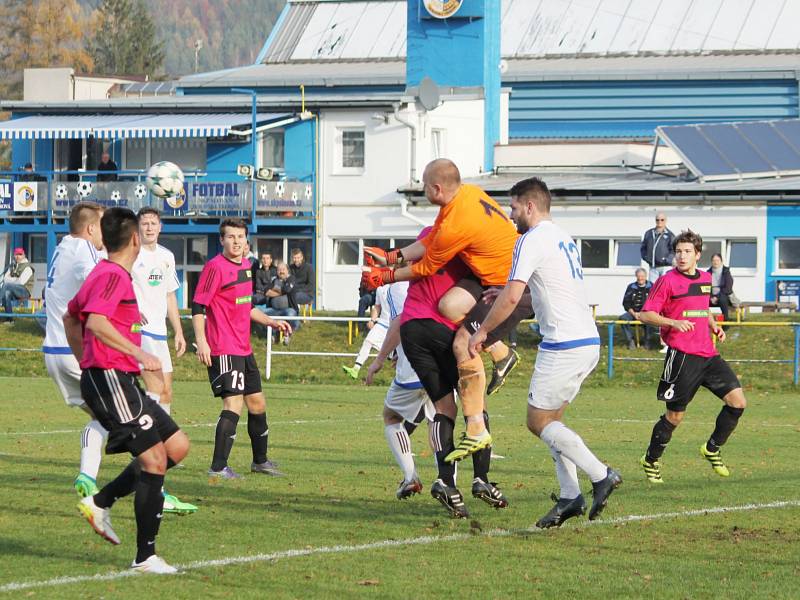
column 154, row 277
column 396, row 293
column 381, row 295
column 71, row 264
column 546, row 259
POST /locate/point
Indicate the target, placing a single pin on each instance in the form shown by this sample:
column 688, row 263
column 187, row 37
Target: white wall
column 529, row 154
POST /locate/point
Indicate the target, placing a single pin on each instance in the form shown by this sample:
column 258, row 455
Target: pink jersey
column 684, row 298
column 108, row 291
column 225, row 289
column 422, row 301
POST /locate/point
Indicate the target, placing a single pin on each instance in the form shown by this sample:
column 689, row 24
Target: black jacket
column 726, row 282
column 303, row 277
column 263, row 279
column 656, row 249
column 110, row 169
column 635, row 296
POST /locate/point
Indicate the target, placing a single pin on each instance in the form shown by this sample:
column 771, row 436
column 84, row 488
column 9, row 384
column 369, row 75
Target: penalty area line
column 417, row 541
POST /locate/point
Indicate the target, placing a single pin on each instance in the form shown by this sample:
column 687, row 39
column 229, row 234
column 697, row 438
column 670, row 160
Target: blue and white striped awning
column 43, row 127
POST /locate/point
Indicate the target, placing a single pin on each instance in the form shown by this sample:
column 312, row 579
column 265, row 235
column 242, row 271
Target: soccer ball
column 116, row 196
column 84, row 188
column 61, row 191
column 165, row 179
column 140, row 191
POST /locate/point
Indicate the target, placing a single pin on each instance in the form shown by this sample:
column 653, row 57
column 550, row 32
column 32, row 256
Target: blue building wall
column 589, row 109
column 299, row 153
column 222, row 159
column 782, row 222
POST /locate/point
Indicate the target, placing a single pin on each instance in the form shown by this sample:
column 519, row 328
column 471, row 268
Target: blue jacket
column 635, row 296
column 656, row 248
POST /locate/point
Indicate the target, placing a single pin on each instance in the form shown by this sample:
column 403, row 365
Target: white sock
column 400, row 445
column 562, row 439
column 363, row 353
column 92, row 440
column 154, row 397
column 167, row 408
column 567, row 475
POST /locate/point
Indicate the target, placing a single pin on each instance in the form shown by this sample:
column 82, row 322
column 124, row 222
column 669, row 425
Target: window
column 271, row 246
column 353, row 148
column 788, row 254
column 345, row 252
column 136, row 154
column 198, row 250
column 272, row 150
column 175, row 245
column 742, row 254
column 384, row 243
column 304, row 244
column 628, row 254
column 189, row 153
column 37, row 249
column 594, row 253
column 402, row 242
column 437, row 143
column 710, row 248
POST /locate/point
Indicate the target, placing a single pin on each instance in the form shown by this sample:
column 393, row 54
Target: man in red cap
column 17, row 281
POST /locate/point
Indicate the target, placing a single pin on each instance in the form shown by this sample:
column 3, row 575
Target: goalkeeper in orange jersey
column 472, row 226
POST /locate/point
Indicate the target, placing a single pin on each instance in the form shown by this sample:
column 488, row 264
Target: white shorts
column 160, row 349
column 376, row 336
column 409, row 402
column 66, row 372
column 558, row 375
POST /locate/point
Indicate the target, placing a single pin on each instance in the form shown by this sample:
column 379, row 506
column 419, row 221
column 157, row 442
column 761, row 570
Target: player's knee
column 455, row 304
column 177, row 447
column 154, row 460
column 735, row 399
column 390, row 417
column 166, row 396
column 674, row 417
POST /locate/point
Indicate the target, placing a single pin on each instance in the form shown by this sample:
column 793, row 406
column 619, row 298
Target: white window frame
column 739, row 271
column 609, row 249
column 148, row 153
column 332, row 267
column 338, row 154
column 776, row 256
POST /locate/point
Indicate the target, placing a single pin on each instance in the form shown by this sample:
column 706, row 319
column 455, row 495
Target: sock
column 567, row 475
column 471, row 384
column 120, row 487
column 363, row 353
column 409, row 427
column 223, row 439
column 154, row 397
column 727, row 420
column 92, row 439
column 400, row 445
column 167, row 408
column 568, row 443
column 662, row 434
column 147, row 506
column 258, row 430
column 482, row 459
column 498, row 351
column 442, row 444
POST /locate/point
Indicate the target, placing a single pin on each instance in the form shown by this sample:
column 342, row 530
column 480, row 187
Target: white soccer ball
column 84, row 188
column 140, row 191
column 116, row 196
column 61, row 191
column 165, row 179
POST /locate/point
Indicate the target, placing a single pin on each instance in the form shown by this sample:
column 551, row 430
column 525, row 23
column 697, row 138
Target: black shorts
column 135, row 422
column 428, row 345
column 234, row 375
column 683, row 375
column 472, row 322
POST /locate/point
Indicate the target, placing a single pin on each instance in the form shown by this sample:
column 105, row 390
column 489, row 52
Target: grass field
column 332, row 527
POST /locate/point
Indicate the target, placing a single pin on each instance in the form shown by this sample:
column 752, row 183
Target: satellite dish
column 428, row 94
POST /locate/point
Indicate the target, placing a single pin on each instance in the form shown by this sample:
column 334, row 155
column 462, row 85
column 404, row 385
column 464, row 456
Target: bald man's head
column 441, row 179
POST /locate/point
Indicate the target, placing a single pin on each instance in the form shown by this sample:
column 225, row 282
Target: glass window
column 345, row 252
column 353, row 148
column 174, row 244
column 384, row 243
column 743, row 254
column 271, row 246
column 628, row 254
column 272, row 150
column 94, row 152
column 37, row 249
column 710, row 248
column 437, row 143
column 789, row 254
column 402, row 242
column 136, row 153
column 188, row 153
column 304, row 245
column 198, row 250
column 594, row 254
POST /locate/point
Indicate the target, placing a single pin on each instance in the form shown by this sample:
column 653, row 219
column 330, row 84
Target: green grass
column 339, row 490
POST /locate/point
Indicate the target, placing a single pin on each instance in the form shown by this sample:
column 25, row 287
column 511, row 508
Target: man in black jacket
column 633, row 301
column 265, row 273
column 303, row 278
column 656, row 248
column 107, row 168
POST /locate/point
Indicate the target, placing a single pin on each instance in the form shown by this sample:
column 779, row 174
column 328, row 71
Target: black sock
column 223, row 439
column 258, row 430
column 442, row 438
column 482, row 459
column 409, row 427
column 147, row 505
column 727, row 420
column 662, row 434
column 120, row 487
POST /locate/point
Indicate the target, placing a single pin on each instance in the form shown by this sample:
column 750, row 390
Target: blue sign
column 6, row 194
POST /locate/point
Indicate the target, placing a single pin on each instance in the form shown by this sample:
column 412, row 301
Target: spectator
column 721, row 285
column 656, row 249
column 29, row 175
column 281, row 296
column 303, row 277
column 17, row 281
column 366, row 299
column 108, row 168
column 262, row 282
column 633, row 301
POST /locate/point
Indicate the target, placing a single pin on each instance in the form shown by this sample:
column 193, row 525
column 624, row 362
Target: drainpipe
column 413, row 128
column 405, row 213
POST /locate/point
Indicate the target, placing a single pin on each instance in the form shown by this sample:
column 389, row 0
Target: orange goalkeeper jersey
column 475, row 228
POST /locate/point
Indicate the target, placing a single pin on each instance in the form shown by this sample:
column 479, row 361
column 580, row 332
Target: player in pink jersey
column 221, row 313
column 103, row 331
column 679, row 304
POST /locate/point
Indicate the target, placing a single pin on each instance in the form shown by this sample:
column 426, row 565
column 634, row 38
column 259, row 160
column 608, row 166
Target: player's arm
column 374, row 313
column 259, row 317
column 108, row 335
column 174, row 318
column 502, row 308
column 649, row 317
column 715, row 328
column 390, row 342
column 207, row 287
column 392, row 257
column 74, row 333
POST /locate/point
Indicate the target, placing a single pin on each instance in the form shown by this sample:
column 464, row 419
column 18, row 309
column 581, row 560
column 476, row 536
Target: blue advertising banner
column 6, row 194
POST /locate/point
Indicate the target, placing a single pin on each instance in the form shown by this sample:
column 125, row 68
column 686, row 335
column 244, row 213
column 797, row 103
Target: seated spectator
column 366, row 299
column 282, row 302
column 17, row 282
column 108, row 168
column 633, row 301
column 721, row 285
column 262, row 280
column 29, row 175
column 303, row 277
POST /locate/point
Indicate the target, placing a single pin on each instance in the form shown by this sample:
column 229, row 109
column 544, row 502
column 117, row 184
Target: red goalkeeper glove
column 377, row 257
column 375, row 277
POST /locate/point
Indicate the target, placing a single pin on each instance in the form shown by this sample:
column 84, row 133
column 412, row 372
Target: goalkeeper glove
column 376, row 257
column 375, row 277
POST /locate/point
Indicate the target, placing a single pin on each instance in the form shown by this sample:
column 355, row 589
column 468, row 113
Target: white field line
column 417, row 541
